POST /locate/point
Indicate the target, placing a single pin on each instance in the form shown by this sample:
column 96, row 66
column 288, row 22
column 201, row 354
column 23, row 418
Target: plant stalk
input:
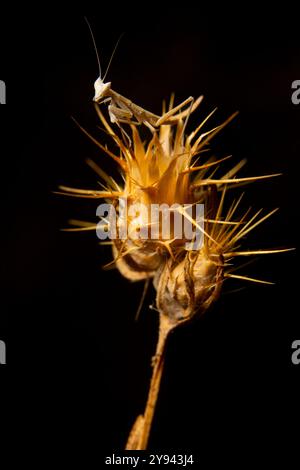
column 140, row 432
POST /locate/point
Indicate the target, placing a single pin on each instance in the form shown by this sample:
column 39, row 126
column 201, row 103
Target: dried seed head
column 156, row 173
column 189, row 286
column 163, row 171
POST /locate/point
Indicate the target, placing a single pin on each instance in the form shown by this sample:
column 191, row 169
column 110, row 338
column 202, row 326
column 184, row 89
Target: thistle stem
column 140, row 432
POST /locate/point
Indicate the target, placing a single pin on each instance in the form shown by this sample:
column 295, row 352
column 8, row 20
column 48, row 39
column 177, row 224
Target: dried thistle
column 164, row 171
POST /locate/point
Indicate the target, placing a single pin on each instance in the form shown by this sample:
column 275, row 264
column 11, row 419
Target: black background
column 77, row 364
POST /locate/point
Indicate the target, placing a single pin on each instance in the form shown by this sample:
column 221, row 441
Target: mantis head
column 101, row 89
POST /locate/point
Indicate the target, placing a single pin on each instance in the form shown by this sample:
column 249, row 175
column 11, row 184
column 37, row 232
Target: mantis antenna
column 95, row 46
column 96, row 50
column 113, row 53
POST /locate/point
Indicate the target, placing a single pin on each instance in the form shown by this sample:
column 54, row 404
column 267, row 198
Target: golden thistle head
column 170, row 170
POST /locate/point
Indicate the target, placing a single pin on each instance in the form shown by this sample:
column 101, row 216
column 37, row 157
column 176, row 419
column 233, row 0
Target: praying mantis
column 122, row 110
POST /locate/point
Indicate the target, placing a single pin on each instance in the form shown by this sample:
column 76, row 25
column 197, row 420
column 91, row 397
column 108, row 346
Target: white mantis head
column 101, row 89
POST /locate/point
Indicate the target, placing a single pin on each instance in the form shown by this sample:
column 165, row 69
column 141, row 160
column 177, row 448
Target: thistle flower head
column 169, row 169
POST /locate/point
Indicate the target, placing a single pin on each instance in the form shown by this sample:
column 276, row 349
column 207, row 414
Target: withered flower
column 165, row 170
